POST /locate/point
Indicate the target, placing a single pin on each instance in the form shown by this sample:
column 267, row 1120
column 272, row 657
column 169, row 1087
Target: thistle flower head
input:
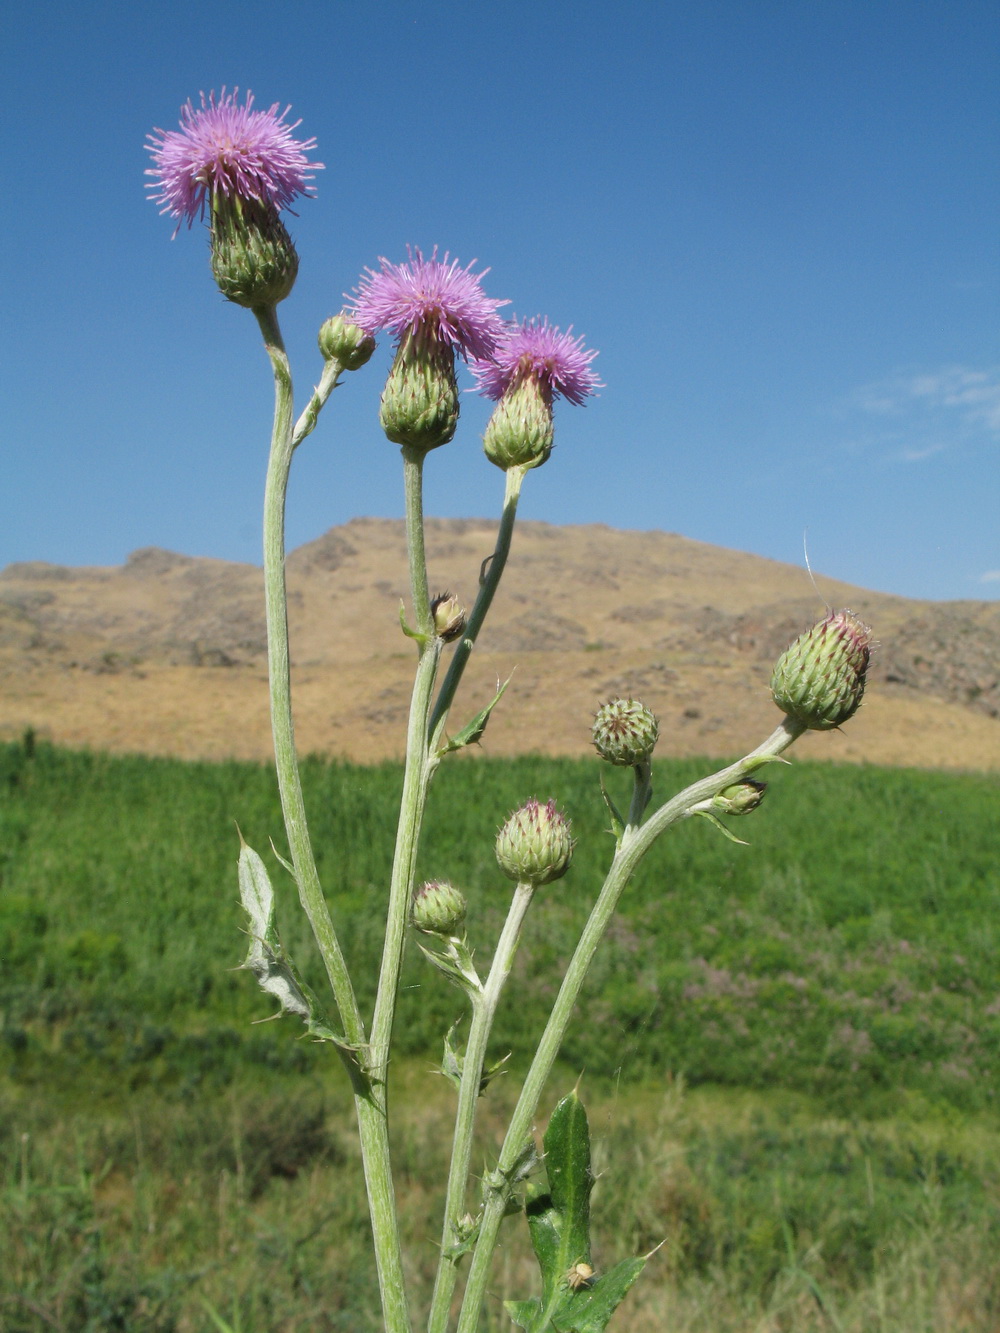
column 224, row 148
column 449, row 616
column 820, row 680
column 430, row 301
column 438, row 908
column 342, row 341
column 557, row 362
column 625, row 732
column 535, row 846
column 740, row 797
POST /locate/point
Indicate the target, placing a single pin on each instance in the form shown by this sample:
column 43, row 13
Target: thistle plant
column 239, row 169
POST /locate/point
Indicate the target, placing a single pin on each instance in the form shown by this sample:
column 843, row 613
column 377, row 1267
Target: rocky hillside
column 167, row 654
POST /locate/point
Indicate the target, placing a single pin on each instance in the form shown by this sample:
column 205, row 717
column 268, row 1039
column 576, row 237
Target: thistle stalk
column 418, row 769
column 484, row 1006
column 633, row 845
column 489, row 581
column 371, row 1124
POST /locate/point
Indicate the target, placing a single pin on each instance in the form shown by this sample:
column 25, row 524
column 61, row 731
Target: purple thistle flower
column 535, row 349
column 429, row 297
column 224, row 148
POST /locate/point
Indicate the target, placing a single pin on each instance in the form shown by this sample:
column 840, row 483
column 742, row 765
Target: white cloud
column 922, row 415
column 917, row 455
column 991, row 576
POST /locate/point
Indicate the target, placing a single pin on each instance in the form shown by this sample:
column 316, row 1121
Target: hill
column 166, row 653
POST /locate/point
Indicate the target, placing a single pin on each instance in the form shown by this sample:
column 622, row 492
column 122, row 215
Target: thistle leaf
column 707, row 814
column 472, row 734
column 574, row 1299
column 617, row 822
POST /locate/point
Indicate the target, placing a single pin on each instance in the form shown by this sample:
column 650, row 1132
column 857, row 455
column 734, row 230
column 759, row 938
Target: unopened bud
column 420, row 399
column 820, row 680
column 520, row 431
column 438, row 908
column 253, row 259
column 625, row 732
column 739, row 798
column 449, row 616
column 346, row 343
column 535, row 845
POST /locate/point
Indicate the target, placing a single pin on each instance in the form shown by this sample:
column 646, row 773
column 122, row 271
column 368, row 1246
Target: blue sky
column 777, row 221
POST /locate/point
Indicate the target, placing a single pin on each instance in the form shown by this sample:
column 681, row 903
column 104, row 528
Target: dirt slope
column 166, row 654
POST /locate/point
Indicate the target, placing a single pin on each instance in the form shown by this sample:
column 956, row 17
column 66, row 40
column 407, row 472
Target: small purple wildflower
column 557, row 361
column 432, row 298
column 224, row 148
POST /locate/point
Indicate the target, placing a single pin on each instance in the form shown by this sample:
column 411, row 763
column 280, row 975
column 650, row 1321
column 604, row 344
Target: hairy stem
column 417, row 772
column 484, row 1007
column 372, row 1127
column 489, row 581
column 635, row 842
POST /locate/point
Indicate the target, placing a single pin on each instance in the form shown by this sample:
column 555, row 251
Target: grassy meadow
column 791, row 1049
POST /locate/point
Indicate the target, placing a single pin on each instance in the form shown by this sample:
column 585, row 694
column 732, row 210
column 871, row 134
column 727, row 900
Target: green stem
column 489, row 581
column 276, row 611
column 417, row 773
column 413, row 483
column 484, row 1006
column 635, row 842
column 372, row 1127
column 332, row 370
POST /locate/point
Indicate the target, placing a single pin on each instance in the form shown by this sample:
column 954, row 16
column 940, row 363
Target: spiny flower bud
column 420, row 400
column 449, row 616
column 347, row 343
column 535, row 845
column 625, row 732
column 820, row 680
column 520, row 431
column 740, row 798
column 438, row 908
column 254, row 261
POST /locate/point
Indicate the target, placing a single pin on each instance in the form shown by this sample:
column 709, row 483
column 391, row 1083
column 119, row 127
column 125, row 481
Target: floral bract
column 431, row 298
column 557, row 361
column 223, row 147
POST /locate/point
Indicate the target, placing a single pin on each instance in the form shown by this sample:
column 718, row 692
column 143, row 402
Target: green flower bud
column 625, row 732
column 253, row 259
column 520, row 431
column 420, row 399
column 438, row 908
column 342, row 341
column 535, row 845
column 740, row 798
column 820, row 680
column 449, row 616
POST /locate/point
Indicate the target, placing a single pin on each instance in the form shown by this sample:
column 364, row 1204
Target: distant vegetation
column 829, row 995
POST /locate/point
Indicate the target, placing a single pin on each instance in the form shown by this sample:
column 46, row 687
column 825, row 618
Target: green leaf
column 574, row 1298
column 472, row 734
column 410, row 633
column 257, row 897
column 452, row 1062
column 523, row 1313
column 617, row 822
column 567, row 1165
column 453, row 957
column 713, row 819
column 266, row 958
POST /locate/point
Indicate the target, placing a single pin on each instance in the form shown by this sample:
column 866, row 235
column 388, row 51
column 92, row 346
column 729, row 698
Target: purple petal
column 556, row 360
column 231, row 149
column 433, row 297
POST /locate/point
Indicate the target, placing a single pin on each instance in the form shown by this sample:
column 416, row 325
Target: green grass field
column 791, row 1049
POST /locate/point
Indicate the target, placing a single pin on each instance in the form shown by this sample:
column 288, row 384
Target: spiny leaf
column 707, row 814
column 472, row 734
